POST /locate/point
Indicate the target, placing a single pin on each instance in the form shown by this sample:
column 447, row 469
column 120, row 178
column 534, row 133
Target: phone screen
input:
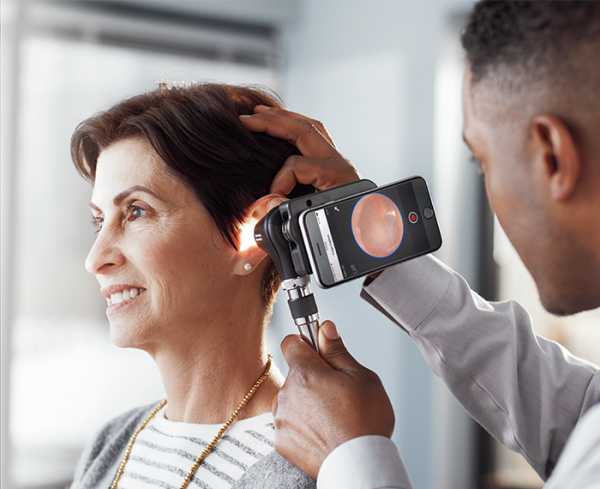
column 360, row 235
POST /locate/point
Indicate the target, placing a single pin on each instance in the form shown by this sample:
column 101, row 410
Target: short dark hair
column 554, row 42
column 196, row 131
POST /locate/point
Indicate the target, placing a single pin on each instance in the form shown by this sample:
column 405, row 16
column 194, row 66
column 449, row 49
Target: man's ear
column 560, row 157
column 249, row 255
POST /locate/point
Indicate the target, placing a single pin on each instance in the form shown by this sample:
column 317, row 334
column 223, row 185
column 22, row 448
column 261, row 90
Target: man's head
column 531, row 102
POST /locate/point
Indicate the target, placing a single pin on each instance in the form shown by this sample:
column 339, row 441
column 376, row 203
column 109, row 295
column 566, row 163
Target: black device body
column 337, row 251
column 287, row 235
column 278, row 233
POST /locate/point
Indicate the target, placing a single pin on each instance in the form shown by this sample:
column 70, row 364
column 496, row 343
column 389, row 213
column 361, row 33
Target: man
column 531, row 102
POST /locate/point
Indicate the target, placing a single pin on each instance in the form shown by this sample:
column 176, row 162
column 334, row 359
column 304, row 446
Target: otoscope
column 278, row 234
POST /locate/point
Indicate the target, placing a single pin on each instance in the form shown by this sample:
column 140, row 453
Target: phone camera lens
column 309, row 203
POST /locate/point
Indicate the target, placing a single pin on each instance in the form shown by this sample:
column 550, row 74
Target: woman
column 176, row 176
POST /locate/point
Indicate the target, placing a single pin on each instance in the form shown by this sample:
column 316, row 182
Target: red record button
column 412, row 217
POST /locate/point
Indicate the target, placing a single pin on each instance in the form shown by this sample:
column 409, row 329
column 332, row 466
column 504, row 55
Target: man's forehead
column 487, row 110
column 479, row 98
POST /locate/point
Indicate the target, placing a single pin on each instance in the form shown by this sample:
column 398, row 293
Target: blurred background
column 384, row 77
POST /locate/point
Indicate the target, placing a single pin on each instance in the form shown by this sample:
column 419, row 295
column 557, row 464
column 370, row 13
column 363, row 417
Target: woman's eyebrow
column 122, row 195
column 136, row 188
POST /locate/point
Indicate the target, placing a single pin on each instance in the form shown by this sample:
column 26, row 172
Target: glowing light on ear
column 247, row 234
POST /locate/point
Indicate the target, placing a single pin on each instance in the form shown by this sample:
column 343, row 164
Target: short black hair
column 531, row 34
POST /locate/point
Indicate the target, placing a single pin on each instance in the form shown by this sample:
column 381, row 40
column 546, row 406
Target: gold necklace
column 209, row 447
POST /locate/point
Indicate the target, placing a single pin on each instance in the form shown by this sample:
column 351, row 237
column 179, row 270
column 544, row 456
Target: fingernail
column 263, row 106
column 330, row 331
column 245, row 116
column 274, row 203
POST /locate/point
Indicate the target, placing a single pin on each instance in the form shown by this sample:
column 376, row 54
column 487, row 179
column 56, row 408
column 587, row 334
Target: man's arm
column 528, row 392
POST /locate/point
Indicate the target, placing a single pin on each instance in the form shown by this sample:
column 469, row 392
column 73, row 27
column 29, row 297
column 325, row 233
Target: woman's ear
column 264, row 205
column 560, row 156
column 249, row 255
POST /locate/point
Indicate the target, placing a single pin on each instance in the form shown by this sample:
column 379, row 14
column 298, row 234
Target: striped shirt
column 165, row 451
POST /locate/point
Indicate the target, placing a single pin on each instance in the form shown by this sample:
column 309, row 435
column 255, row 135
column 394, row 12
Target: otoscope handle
column 303, row 308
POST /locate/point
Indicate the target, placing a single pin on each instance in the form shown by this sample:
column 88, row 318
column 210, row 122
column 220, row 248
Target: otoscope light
column 247, row 234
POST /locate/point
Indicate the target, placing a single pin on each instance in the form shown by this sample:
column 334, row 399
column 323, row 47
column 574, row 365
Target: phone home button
column 428, row 213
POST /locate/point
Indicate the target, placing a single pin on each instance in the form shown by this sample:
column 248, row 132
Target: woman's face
column 161, row 262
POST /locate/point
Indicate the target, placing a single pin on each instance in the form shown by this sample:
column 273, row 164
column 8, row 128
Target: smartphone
column 356, row 236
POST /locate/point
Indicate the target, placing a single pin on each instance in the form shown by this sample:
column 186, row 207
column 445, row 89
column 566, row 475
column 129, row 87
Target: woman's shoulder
column 107, row 447
column 117, row 429
column 124, row 421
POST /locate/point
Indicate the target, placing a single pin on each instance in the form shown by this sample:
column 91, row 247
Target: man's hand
column 320, row 165
column 326, row 400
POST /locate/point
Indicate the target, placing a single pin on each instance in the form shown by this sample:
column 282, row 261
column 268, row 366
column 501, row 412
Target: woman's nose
column 105, row 254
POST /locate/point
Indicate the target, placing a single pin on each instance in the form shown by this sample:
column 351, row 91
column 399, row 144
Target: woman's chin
column 120, row 341
column 123, row 337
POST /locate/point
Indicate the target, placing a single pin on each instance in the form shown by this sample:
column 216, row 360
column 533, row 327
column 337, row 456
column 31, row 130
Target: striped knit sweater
column 165, row 451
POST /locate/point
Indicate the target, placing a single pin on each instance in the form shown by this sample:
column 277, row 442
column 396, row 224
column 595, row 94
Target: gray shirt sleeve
column 527, row 391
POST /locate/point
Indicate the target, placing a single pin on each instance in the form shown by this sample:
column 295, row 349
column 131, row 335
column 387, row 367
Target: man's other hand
column 320, row 165
column 326, row 400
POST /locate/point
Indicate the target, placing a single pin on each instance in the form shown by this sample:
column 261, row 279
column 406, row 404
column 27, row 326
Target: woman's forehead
column 134, row 163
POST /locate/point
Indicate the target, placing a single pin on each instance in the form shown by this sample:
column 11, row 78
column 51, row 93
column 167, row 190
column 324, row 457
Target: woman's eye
column 135, row 212
column 97, row 222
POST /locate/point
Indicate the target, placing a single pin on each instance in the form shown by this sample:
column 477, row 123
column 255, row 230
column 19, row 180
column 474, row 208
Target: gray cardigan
column 100, row 460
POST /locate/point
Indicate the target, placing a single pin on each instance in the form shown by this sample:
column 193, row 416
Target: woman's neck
column 207, row 377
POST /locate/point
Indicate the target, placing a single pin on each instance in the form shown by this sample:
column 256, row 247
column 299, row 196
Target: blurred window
column 66, row 377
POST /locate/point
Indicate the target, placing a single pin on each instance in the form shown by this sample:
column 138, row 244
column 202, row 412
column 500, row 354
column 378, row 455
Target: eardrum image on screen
column 377, row 225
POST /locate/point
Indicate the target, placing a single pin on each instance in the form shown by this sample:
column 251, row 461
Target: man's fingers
column 263, row 109
column 333, row 350
column 285, row 181
column 319, row 165
column 276, row 202
column 319, row 172
column 333, row 353
column 302, row 133
column 298, row 353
